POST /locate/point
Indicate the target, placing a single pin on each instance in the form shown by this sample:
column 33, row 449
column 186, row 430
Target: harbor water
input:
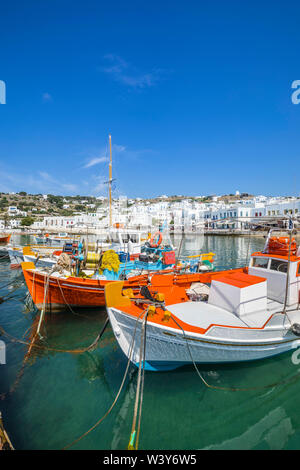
column 61, row 395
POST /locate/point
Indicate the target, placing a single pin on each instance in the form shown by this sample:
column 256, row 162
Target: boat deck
column 202, row 314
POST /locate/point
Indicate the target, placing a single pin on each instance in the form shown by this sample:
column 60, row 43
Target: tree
column 27, row 221
column 79, row 207
column 6, row 220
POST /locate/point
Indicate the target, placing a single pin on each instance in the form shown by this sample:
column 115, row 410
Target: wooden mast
column 109, row 184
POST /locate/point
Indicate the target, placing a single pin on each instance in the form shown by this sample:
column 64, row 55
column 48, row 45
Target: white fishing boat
column 40, row 239
column 236, row 315
column 122, row 239
column 41, row 261
column 35, row 253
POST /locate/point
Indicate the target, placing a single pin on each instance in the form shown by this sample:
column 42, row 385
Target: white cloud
column 70, row 187
column 38, row 182
column 45, row 175
column 123, row 72
column 46, row 97
column 95, row 161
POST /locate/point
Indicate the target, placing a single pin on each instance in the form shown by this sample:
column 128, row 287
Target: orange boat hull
column 89, row 293
column 5, row 239
column 72, row 291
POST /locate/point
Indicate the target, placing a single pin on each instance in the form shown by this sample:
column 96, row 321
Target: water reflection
column 179, row 411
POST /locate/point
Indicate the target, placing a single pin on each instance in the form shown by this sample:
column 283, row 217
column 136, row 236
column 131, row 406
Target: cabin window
column 125, row 238
column 134, row 238
column 279, row 265
column 260, row 263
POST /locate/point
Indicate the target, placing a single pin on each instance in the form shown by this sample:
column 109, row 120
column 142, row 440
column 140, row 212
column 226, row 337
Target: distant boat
column 59, row 239
column 4, row 238
column 18, row 254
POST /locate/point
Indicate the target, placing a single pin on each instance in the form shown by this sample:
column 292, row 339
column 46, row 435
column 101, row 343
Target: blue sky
column 196, row 96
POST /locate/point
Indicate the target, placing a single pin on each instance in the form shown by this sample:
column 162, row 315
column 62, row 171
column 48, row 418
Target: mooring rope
column 142, row 387
column 132, row 445
column 229, row 389
column 130, row 351
column 68, row 305
column 47, row 348
column 12, row 282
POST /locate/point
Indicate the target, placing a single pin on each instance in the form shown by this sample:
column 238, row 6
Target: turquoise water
column 61, row 395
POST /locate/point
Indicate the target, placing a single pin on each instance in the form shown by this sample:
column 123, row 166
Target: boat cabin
column 124, row 239
column 262, row 288
column 272, row 264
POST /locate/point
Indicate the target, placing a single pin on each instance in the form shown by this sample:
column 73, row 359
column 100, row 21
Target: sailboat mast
column 110, row 181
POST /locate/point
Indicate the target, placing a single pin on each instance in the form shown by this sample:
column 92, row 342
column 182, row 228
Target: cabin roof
column 240, row 279
column 293, row 258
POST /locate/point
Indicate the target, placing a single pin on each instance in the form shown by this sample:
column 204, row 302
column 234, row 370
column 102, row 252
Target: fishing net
column 110, row 261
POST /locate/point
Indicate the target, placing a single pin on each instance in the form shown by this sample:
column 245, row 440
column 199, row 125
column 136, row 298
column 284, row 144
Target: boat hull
column 5, row 239
column 40, row 262
column 168, row 348
column 15, row 256
column 74, row 292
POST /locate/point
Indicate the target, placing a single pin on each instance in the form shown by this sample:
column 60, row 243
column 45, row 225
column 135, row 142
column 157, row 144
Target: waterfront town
column 239, row 212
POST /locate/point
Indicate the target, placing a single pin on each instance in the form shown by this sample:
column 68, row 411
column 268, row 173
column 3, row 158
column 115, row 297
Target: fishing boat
column 61, row 239
column 18, row 254
column 4, row 238
column 218, row 317
column 40, row 239
column 79, row 280
column 59, row 290
column 122, row 239
column 53, row 240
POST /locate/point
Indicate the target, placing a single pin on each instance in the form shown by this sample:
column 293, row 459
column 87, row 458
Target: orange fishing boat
column 63, row 290
column 58, row 290
column 4, row 238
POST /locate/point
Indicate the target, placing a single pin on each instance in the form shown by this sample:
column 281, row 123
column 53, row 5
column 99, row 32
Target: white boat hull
column 16, row 257
column 41, row 262
column 168, row 348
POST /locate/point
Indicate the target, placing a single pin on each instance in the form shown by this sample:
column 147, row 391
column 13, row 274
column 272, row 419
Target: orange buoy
column 156, row 240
